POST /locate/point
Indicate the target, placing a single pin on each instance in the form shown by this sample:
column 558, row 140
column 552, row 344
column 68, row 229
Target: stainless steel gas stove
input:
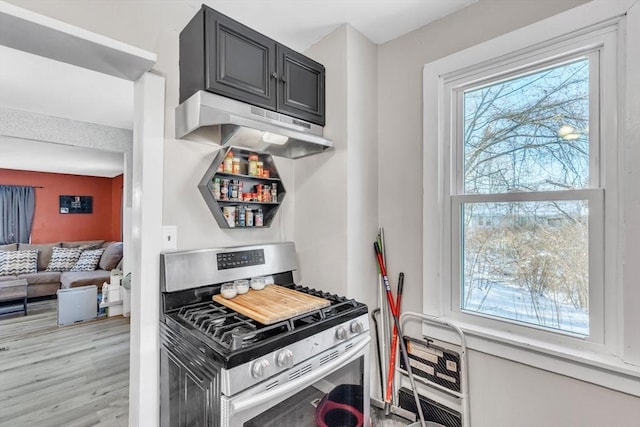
column 222, row 368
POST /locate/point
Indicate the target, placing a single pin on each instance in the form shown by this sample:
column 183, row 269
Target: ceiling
column 300, row 23
column 48, row 87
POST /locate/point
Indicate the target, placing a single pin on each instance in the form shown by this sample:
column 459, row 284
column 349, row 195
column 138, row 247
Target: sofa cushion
column 111, row 256
column 9, row 247
column 41, row 277
column 88, row 260
column 84, row 244
column 44, row 252
column 73, row 279
column 63, row 259
column 18, row 262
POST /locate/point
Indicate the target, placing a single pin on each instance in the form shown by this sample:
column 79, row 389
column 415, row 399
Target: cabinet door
column 301, row 86
column 241, row 62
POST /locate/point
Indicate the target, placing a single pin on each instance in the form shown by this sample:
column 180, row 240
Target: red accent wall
column 49, row 225
column 117, row 185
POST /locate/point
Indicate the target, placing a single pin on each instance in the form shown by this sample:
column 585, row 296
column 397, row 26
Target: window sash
column 458, row 89
column 453, row 294
column 452, row 245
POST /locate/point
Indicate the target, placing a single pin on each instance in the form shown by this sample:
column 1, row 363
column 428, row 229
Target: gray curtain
column 17, row 205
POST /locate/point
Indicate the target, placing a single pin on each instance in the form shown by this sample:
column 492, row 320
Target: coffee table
column 13, row 290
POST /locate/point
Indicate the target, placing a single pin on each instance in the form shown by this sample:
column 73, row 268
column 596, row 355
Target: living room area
column 64, row 325
column 60, row 232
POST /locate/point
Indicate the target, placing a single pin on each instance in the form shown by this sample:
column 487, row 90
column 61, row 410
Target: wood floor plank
column 75, row 375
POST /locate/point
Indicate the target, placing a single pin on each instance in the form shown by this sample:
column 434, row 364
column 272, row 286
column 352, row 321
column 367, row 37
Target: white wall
column 321, row 181
column 336, row 205
column 503, row 393
column 362, row 166
column 336, row 192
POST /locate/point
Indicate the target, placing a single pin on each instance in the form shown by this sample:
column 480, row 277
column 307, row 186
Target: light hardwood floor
column 76, row 375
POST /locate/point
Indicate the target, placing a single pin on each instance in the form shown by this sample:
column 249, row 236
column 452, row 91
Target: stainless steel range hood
column 213, row 118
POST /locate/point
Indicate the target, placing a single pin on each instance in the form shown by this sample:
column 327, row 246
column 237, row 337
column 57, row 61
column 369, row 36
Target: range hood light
column 273, row 138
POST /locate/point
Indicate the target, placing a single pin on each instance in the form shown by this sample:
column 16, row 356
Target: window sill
column 601, row 370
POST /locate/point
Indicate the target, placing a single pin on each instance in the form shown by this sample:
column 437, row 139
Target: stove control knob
column 357, row 327
column 341, row 333
column 259, row 368
column 284, row 359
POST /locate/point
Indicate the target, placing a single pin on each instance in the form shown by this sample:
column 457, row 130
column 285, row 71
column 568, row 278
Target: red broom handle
column 394, row 343
column 392, row 307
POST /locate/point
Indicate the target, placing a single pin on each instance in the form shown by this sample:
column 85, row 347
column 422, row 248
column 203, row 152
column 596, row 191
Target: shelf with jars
column 242, row 188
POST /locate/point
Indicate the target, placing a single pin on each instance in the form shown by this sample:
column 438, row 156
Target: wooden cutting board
column 272, row 304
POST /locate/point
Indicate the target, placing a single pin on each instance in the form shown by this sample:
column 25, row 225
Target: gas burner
column 231, row 336
column 200, row 311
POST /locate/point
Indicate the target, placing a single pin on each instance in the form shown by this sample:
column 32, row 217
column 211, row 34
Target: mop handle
column 394, row 342
column 385, row 279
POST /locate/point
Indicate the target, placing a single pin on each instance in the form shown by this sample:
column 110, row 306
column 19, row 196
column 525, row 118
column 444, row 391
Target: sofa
column 48, row 267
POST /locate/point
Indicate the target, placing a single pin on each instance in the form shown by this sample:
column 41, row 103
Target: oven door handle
column 304, row 380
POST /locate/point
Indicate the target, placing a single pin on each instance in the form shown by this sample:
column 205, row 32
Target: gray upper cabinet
column 223, row 56
column 301, row 86
column 242, row 63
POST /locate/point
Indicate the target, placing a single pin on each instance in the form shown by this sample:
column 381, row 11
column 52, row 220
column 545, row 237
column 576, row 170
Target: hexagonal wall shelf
column 242, row 188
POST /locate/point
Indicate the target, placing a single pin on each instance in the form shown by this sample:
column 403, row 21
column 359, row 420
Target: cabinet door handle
column 282, row 79
column 274, row 75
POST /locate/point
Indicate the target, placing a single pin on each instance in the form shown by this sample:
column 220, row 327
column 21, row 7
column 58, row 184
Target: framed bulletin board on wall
column 76, row 204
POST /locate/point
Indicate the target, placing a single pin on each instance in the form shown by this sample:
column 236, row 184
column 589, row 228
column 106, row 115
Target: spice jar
column 260, row 168
column 224, row 189
column 228, row 163
column 248, row 217
column 234, row 190
column 241, row 216
column 253, row 165
column 258, row 219
column 236, row 165
column 215, row 189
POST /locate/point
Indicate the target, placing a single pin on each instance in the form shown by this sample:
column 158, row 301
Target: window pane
column 529, row 133
column 527, row 262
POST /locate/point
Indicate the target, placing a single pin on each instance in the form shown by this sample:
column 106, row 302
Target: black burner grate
column 228, row 328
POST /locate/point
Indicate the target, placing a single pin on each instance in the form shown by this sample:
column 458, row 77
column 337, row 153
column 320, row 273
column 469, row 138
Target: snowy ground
column 511, row 302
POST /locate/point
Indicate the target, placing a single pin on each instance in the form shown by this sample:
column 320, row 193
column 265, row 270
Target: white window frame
column 600, row 48
column 600, row 356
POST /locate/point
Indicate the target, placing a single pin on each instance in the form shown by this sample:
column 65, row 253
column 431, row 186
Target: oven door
column 292, row 397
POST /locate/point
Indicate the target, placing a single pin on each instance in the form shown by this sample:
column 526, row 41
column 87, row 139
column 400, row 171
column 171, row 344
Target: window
column 525, row 212
column 524, row 198
column 527, row 248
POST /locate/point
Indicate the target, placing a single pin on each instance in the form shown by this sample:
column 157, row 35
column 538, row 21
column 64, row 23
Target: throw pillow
column 63, row 259
column 18, row 262
column 111, row 257
column 44, row 252
column 88, row 260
